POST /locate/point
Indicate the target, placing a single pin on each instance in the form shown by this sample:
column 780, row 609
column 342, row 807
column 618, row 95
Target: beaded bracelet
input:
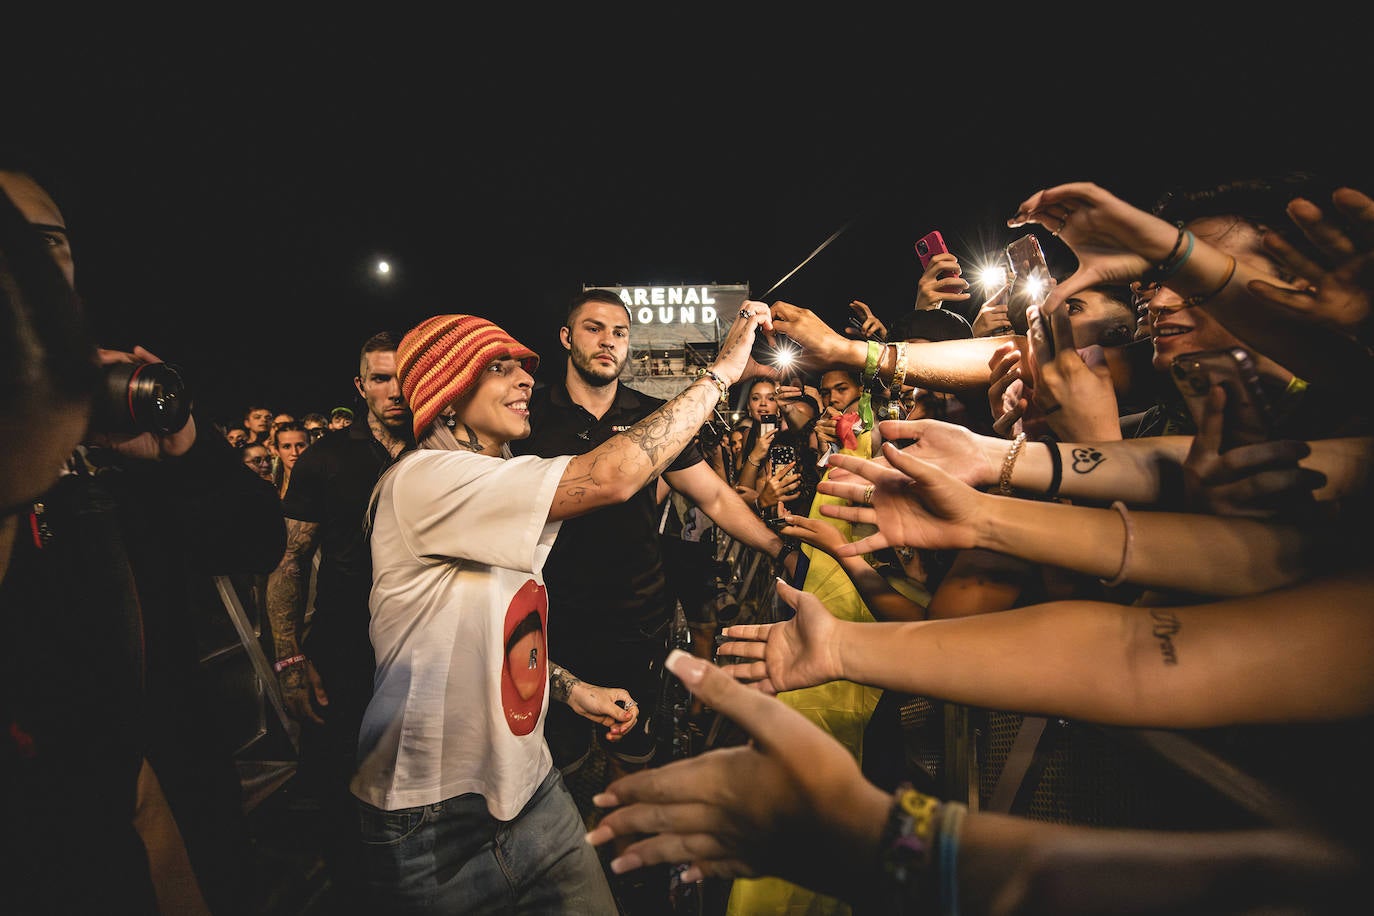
column 718, row 381
column 908, row 840
column 282, row 664
column 907, row 847
column 1004, row 480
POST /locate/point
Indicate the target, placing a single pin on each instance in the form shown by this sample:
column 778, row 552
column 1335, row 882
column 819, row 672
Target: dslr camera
column 141, row 398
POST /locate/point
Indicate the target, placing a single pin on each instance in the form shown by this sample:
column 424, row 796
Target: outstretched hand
column 792, row 802
column 1341, row 299
column 914, row 504
column 1261, row 480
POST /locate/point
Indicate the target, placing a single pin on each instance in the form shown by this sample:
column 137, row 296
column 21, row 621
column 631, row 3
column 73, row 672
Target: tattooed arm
column 1140, row 472
column 612, row 707
column 914, row 503
column 617, row 469
column 1298, row 654
column 287, row 589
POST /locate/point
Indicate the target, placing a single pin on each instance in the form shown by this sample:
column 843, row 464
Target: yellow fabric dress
column 841, row 708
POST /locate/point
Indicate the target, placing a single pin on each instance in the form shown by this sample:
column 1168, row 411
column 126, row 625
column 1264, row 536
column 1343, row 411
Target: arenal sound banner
column 669, row 317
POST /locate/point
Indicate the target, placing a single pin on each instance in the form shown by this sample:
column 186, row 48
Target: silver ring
column 746, row 313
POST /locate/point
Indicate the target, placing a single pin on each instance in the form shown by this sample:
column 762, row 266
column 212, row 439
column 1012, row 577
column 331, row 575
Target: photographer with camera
column 123, row 548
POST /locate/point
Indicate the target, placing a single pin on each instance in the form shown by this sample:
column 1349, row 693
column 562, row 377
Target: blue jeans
column 454, row 857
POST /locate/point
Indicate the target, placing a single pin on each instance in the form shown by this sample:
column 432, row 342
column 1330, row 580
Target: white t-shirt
column 459, row 614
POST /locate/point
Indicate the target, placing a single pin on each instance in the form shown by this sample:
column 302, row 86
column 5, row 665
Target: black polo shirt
column 331, row 485
column 605, row 572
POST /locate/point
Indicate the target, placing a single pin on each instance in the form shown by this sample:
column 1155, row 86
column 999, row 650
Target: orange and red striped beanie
column 439, row 360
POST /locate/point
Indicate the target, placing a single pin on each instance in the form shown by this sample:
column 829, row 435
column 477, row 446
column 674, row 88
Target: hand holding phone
column 1030, row 279
column 928, row 246
column 1246, row 418
column 782, row 454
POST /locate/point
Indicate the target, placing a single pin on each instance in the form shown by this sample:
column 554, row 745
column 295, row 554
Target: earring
column 450, row 420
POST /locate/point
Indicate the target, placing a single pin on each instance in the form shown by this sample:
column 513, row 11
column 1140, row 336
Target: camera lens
column 141, row 398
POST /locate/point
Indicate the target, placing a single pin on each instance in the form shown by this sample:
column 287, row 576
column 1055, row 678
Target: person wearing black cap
column 340, row 418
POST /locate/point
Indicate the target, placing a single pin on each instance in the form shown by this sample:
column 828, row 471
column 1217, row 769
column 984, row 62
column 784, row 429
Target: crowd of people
column 1128, row 495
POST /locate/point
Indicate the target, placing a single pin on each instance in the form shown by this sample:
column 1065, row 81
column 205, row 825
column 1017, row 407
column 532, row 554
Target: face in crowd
column 597, row 338
column 1176, row 329
column 381, row 393
column 258, row 422
column 291, row 441
column 763, row 399
column 839, row 390
column 258, row 459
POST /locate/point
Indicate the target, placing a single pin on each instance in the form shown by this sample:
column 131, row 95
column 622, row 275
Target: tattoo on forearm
column 1164, row 628
column 1086, row 459
column 661, row 436
column 561, row 682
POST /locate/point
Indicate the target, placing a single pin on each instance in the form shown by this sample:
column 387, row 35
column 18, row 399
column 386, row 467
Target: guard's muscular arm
column 288, row 586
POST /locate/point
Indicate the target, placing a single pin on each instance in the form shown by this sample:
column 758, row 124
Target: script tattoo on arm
column 1164, row 628
column 561, row 682
column 1086, row 459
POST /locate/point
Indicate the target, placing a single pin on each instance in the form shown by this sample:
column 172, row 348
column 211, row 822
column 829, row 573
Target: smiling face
column 1177, row 330
column 497, row 408
column 597, row 338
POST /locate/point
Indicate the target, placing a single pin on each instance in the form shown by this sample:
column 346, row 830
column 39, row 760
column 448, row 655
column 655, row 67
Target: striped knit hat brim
column 439, row 360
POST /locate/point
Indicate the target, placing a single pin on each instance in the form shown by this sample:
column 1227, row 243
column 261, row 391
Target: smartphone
column 1247, row 417
column 768, row 423
column 928, row 246
column 782, row 454
column 1030, row 279
column 776, row 523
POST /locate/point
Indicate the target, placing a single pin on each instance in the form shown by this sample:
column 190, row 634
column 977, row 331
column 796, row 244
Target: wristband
column 1056, row 467
column 282, row 664
column 908, row 845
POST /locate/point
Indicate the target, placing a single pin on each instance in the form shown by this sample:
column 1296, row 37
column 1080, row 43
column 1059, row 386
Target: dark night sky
column 227, row 195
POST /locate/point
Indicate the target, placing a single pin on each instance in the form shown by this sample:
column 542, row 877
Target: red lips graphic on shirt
column 525, row 670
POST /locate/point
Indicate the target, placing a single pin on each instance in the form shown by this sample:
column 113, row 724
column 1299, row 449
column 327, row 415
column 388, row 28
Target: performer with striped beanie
column 452, row 745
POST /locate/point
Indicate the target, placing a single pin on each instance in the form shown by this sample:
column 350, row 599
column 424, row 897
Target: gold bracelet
column 1004, row 481
column 1198, row 300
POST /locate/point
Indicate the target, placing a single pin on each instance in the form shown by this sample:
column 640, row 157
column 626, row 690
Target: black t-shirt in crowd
column 605, row 572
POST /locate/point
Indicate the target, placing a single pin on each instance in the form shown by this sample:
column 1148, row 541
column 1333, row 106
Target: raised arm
column 942, row 365
column 615, row 470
